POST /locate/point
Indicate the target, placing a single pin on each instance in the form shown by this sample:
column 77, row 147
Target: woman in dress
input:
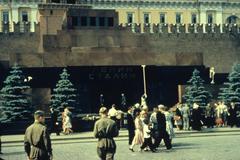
column 67, row 121
column 138, row 138
column 63, row 122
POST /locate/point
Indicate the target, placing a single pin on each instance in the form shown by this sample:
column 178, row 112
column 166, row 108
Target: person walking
column 136, row 109
column 169, row 125
column 185, row 115
column 67, row 121
column 105, row 129
column 114, row 115
column 232, row 115
column 138, row 138
column 130, row 125
column 147, row 136
column 161, row 119
column 54, row 121
column 37, row 142
column 154, row 122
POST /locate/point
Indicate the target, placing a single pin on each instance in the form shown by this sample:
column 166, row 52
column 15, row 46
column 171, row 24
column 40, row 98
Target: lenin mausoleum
column 104, row 43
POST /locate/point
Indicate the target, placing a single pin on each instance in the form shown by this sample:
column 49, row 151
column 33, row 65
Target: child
column 147, row 136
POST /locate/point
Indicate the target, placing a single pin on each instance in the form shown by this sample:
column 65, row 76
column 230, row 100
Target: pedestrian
column 113, row 114
column 210, row 116
column 178, row 117
column 130, row 125
column 136, row 109
column 67, row 121
column 54, row 121
column 219, row 114
column 232, row 115
column 63, row 121
column 185, row 115
column 161, row 119
column 138, row 137
column 105, row 129
column 154, row 122
column 37, row 142
column 196, row 117
column 169, row 125
column 224, row 113
column 147, row 136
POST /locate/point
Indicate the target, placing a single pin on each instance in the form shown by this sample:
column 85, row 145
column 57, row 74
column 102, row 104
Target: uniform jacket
column 105, row 129
column 37, row 142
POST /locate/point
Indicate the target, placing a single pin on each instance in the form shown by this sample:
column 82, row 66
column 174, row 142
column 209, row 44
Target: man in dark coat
column 161, row 121
column 105, row 129
column 232, row 115
column 37, row 142
column 196, row 117
column 130, row 125
column 54, row 122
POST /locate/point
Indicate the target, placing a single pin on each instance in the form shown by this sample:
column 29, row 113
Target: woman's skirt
column 138, row 138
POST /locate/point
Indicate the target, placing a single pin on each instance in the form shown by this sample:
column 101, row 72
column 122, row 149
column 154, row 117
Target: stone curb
column 179, row 134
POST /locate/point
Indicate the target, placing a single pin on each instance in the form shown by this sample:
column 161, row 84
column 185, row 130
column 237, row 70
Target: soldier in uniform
column 105, row 129
column 37, row 142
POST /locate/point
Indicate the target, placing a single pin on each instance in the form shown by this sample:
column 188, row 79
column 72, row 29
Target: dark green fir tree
column 196, row 92
column 224, row 93
column 231, row 91
column 14, row 103
column 64, row 95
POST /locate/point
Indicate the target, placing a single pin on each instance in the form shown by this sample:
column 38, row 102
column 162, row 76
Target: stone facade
column 169, row 51
column 54, row 45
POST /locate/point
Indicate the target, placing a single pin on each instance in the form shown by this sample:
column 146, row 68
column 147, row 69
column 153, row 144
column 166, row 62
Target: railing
column 181, row 28
column 27, row 27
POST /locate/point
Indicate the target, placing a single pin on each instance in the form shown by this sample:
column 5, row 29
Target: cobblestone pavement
column 221, row 147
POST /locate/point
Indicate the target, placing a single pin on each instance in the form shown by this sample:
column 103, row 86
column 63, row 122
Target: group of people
column 147, row 130
column 226, row 115
column 66, row 117
column 217, row 115
column 186, row 118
